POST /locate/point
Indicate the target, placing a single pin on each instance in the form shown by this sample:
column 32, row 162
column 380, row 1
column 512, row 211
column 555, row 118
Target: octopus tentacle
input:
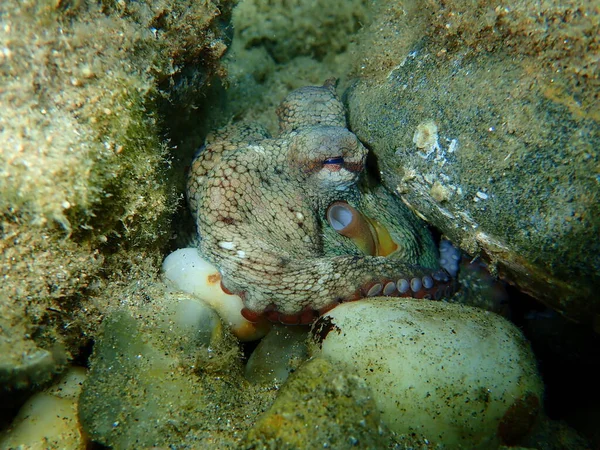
column 436, row 286
column 426, row 287
column 297, row 290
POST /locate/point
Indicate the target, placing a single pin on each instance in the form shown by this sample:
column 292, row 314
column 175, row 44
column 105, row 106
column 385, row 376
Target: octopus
column 294, row 223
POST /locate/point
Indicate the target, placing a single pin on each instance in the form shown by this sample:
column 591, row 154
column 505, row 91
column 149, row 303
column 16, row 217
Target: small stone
column 439, row 192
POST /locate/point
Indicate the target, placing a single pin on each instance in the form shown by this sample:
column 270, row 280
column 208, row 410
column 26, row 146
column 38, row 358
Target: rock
column 320, row 406
column 457, row 375
column 84, row 160
column 494, row 144
column 301, row 29
column 49, row 418
column 280, row 46
column 133, row 390
column 554, row 435
column 162, row 377
column 23, row 365
column 277, row 355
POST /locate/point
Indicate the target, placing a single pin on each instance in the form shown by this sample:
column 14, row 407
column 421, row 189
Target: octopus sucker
column 389, row 289
column 374, row 290
column 295, row 226
column 434, row 291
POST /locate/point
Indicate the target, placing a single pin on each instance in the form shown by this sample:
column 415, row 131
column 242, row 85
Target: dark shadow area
column 567, row 355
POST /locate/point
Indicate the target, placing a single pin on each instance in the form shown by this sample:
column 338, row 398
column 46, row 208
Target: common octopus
column 294, row 224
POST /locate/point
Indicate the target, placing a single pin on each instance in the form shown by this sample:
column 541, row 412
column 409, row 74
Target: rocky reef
column 86, row 190
column 282, row 45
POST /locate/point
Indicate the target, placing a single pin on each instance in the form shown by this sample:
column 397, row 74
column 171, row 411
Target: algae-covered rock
column 299, row 28
column 133, row 391
column 320, row 406
column 85, row 188
column 459, row 376
column 282, row 45
column 24, row 364
column 161, row 375
column 486, row 123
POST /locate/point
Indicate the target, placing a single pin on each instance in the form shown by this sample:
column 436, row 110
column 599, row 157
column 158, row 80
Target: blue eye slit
column 336, row 160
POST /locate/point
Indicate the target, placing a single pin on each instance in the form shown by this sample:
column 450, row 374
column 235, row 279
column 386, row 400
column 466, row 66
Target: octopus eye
column 336, row 160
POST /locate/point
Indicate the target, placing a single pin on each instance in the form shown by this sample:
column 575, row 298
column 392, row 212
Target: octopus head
column 328, row 158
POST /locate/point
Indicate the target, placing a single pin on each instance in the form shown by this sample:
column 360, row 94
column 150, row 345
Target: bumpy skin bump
column 260, row 204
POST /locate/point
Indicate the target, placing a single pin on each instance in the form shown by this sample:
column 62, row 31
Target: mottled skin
column 260, row 202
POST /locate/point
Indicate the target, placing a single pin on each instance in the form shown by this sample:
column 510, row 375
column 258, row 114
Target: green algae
column 87, row 190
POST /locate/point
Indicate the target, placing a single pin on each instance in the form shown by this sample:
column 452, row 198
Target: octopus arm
column 290, row 287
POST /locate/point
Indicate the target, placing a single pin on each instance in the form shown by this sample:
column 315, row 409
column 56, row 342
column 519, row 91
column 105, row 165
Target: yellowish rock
column 320, row 406
column 459, row 376
column 49, row 419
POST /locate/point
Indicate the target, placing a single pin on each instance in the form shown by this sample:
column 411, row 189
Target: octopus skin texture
column 294, row 224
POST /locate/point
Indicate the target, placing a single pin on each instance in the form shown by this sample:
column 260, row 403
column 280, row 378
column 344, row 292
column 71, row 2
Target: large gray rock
column 502, row 162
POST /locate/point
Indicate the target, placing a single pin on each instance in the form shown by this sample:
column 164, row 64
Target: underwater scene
column 299, row 224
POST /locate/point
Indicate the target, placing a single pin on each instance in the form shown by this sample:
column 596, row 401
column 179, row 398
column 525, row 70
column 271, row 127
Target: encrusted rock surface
column 494, row 145
column 86, row 195
column 320, row 406
column 166, row 374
